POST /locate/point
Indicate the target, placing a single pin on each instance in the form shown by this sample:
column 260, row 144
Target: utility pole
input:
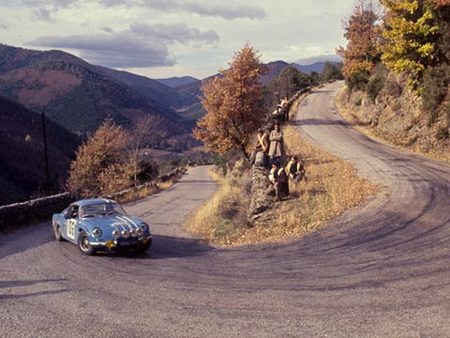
column 44, row 134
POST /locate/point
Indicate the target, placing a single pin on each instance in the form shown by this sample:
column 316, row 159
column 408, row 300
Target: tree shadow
column 33, row 294
column 18, row 283
column 319, row 122
column 30, row 236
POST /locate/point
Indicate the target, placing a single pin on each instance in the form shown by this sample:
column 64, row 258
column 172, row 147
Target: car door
column 72, row 219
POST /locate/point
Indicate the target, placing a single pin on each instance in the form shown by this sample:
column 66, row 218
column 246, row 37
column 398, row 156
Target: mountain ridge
column 78, row 95
column 177, row 81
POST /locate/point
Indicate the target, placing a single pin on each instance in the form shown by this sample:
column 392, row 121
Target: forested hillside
column 397, row 70
column 79, row 96
column 22, row 164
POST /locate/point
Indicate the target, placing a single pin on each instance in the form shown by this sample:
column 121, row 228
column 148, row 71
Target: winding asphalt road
column 382, row 270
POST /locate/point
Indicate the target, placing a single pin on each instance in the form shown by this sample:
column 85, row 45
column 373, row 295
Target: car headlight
column 143, row 228
column 125, row 233
column 116, row 233
column 97, row 232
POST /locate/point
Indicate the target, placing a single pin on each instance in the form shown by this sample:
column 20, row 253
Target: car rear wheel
column 57, row 232
column 84, row 245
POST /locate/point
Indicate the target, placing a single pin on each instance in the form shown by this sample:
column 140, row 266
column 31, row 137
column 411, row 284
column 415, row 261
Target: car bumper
column 120, row 243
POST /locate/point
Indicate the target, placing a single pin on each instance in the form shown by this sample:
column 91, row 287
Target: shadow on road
column 167, row 247
column 9, row 284
column 319, row 122
column 29, row 237
column 18, row 283
column 33, row 294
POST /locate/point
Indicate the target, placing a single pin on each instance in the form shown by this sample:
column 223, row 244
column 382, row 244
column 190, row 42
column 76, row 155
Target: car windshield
column 101, row 210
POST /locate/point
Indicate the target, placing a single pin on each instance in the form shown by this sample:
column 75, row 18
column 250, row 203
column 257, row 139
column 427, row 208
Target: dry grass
column 222, row 220
column 332, row 186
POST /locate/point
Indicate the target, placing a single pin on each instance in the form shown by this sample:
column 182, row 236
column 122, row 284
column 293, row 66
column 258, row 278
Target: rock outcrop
column 260, row 201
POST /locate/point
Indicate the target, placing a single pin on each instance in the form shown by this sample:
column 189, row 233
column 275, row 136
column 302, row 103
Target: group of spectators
column 269, row 152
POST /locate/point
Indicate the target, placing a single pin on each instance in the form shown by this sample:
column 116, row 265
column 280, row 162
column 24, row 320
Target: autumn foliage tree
column 439, row 3
column 102, row 164
column 409, row 37
column 233, row 102
column 361, row 53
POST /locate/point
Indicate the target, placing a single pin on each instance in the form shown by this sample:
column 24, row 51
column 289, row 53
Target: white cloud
column 160, row 38
column 42, row 14
column 226, row 11
column 140, row 46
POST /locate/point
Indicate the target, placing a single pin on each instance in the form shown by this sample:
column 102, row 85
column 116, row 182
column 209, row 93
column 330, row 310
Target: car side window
column 74, row 211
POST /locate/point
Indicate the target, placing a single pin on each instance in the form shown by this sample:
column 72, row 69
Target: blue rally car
column 99, row 225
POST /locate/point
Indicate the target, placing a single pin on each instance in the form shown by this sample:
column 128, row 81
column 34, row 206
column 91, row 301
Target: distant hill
column 175, row 82
column 189, row 94
column 315, row 67
column 274, row 69
column 79, row 96
column 319, row 59
column 22, row 166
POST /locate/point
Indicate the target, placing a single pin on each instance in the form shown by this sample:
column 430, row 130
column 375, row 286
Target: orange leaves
column 363, row 34
column 102, row 166
column 233, row 104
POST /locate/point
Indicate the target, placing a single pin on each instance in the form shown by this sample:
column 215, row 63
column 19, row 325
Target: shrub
column 442, row 134
column 392, row 87
column 374, row 86
column 433, row 88
column 102, row 165
column 358, row 80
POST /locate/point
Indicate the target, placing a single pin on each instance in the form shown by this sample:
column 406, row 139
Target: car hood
column 119, row 222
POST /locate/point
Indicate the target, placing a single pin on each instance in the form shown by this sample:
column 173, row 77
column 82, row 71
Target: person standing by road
column 276, row 150
column 284, row 106
column 261, row 147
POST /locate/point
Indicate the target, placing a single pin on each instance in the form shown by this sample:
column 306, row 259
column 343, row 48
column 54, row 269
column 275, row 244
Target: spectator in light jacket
column 276, row 149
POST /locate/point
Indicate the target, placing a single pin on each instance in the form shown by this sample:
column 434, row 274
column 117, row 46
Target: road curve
column 382, row 270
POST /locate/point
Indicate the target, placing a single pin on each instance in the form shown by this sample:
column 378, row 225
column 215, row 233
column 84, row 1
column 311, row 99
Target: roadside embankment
column 398, row 120
column 332, row 186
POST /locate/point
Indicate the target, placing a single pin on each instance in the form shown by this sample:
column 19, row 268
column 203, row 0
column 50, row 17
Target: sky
column 165, row 38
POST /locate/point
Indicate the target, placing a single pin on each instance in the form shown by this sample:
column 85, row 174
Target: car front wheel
column 144, row 247
column 84, row 245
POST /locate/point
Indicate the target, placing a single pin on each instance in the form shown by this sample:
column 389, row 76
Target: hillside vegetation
column 79, row 96
column 397, row 71
column 22, row 165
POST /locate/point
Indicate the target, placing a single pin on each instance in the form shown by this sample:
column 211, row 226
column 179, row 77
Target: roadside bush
column 433, row 89
column 358, row 81
column 102, row 164
column 148, row 171
column 376, row 84
column 392, row 87
column 442, row 134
